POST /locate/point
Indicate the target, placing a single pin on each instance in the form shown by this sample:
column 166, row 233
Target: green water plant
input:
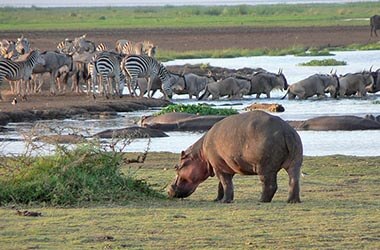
column 324, row 62
column 199, row 109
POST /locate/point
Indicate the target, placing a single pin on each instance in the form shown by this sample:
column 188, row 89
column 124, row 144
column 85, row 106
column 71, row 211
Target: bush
column 71, row 177
column 325, row 62
column 200, row 109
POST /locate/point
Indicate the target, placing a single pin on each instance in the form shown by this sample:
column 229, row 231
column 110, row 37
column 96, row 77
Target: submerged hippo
column 177, row 121
column 252, row 143
column 344, row 122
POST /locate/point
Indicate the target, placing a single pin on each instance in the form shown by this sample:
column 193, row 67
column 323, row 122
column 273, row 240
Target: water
column 359, row 143
column 131, row 3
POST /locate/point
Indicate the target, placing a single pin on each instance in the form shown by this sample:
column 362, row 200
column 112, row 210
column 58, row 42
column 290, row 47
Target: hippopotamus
column 251, row 143
column 177, row 121
column 344, row 122
column 131, row 132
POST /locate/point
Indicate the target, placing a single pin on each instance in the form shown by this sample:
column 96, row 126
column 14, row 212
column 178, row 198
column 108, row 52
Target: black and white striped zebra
column 106, row 65
column 135, row 66
column 20, row 70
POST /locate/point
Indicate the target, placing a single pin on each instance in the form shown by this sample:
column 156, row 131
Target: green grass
column 199, row 109
column 187, row 16
column 324, row 62
column 340, row 210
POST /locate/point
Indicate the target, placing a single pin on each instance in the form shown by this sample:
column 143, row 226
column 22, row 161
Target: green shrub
column 200, row 109
column 71, row 177
column 325, row 62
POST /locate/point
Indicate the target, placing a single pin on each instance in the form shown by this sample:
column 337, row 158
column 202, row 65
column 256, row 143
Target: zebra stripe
column 136, row 66
column 101, row 47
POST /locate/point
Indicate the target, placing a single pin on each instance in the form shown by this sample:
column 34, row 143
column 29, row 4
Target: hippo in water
column 251, row 143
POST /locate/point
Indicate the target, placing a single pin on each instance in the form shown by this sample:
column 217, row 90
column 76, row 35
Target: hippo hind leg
column 294, row 185
column 269, row 184
column 225, row 188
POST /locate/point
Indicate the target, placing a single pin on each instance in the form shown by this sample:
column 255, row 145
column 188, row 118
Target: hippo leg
column 294, row 186
column 225, row 188
column 269, row 184
column 220, row 192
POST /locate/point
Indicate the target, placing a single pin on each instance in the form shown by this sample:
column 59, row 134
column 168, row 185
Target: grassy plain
column 340, row 210
column 285, row 15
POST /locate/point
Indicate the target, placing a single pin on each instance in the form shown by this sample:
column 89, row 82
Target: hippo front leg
column 225, row 188
column 269, row 184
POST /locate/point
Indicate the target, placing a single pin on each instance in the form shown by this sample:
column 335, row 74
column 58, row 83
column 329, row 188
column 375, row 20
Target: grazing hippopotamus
column 251, row 143
column 344, row 122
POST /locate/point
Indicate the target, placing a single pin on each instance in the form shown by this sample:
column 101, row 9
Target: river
column 359, row 143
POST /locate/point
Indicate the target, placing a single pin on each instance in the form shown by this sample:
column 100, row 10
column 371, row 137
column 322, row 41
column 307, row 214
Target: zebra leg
column 150, row 80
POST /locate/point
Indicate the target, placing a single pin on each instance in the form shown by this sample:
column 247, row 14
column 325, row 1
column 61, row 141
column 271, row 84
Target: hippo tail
column 295, row 153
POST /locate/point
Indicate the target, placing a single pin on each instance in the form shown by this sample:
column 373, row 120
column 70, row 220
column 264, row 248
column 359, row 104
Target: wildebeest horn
column 370, row 69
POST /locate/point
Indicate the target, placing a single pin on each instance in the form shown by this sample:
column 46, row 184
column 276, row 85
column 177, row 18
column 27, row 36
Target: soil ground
column 184, row 40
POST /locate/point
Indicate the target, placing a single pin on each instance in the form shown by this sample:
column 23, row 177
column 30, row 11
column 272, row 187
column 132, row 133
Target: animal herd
column 99, row 70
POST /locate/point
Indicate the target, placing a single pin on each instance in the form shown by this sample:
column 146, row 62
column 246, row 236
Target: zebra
column 131, row 48
column 22, row 45
column 107, row 65
column 8, row 49
column 101, row 47
column 135, row 66
column 66, row 46
column 21, row 70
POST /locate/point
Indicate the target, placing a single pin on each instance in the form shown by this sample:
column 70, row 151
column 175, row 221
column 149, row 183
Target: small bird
column 14, row 102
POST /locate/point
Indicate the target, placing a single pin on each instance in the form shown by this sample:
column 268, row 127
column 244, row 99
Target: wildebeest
column 374, row 22
column 355, row 83
column 316, row 84
column 191, row 84
column 265, row 82
column 53, row 61
column 232, row 87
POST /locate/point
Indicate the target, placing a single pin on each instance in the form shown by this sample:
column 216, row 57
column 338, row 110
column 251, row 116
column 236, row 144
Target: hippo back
column 252, row 138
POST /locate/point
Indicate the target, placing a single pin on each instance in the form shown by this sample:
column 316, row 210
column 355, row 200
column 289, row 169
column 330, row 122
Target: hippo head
column 191, row 171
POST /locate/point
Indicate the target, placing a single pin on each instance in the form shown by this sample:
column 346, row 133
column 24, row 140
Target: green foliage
column 376, row 102
column 324, row 62
column 71, row 177
column 199, row 109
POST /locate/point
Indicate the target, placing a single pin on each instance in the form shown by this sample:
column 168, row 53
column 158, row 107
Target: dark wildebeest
column 374, row 22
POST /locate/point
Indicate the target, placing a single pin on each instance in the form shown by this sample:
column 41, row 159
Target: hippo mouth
column 176, row 192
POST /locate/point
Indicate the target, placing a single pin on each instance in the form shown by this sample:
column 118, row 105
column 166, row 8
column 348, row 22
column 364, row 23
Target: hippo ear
column 183, row 154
